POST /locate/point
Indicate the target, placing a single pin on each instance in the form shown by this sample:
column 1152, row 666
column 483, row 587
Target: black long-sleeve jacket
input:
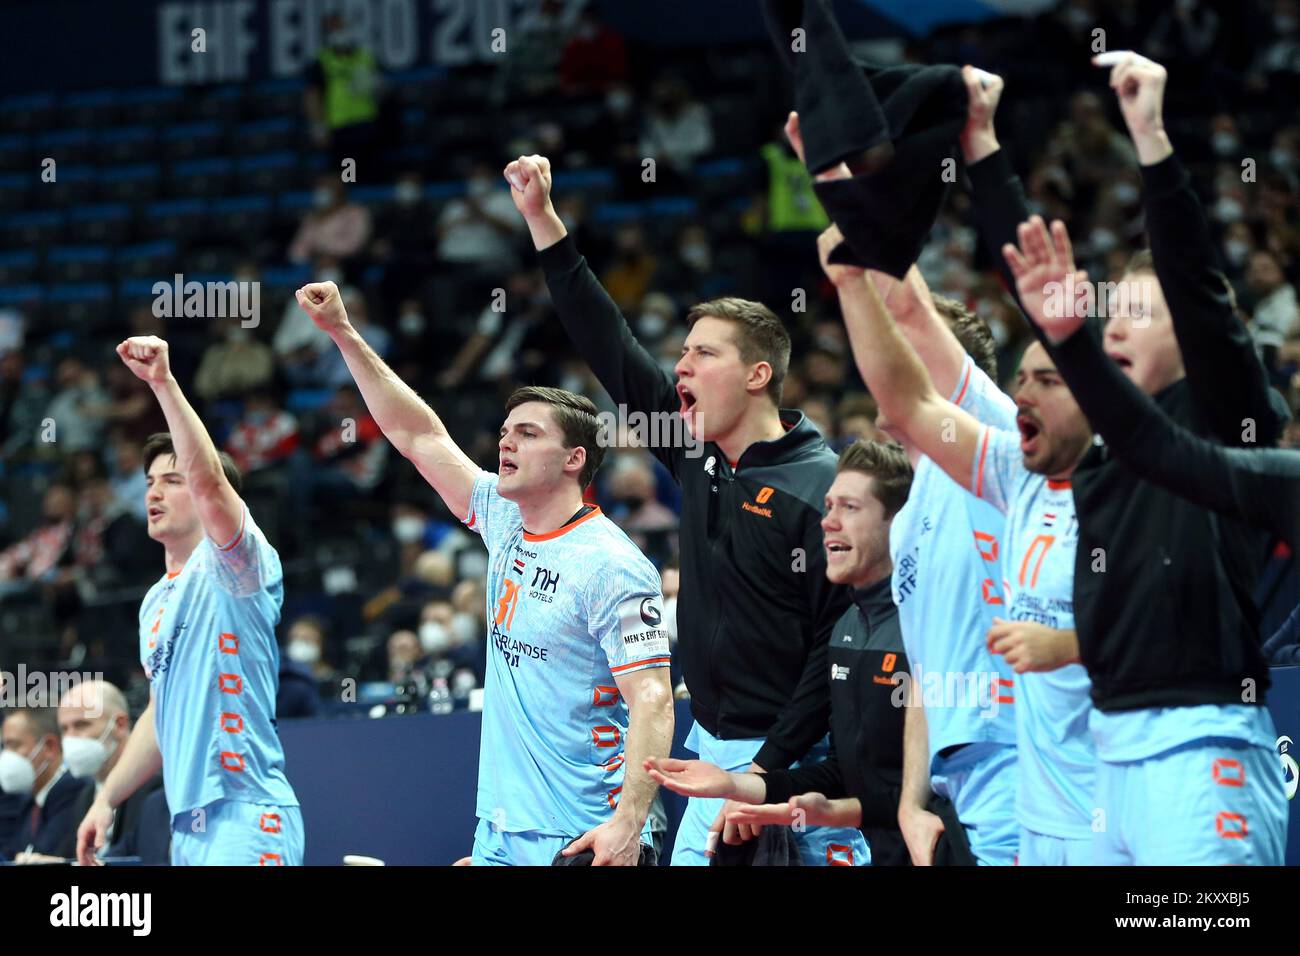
column 755, row 609
column 1162, row 589
column 867, row 660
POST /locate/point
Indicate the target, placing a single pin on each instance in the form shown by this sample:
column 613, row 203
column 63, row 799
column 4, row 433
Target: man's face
column 712, row 380
column 82, row 713
column 1139, row 335
column 855, row 531
column 167, row 498
column 533, row 457
column 1053, row 431
column 18, row 735
column 58, row 504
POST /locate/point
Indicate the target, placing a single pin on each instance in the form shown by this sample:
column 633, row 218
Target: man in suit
column 95, row 725
column 32, row 764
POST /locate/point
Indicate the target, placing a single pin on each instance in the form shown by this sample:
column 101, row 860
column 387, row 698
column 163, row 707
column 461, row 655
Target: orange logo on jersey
column 270, row 823
column 763, row 494
column 232, row 723
column 604, row 696
column 1228, row 772
column 506, row 605
column 888, row 663
column 230, row 683
column 232, row 761
column 613, row 804
column 605, row 736
column 1231, row 826
column 762, row 512
column 989, row 591
column 982, row 539
column 837, row 854
column 1046, row 541
column 228, row 643
column 271, row 859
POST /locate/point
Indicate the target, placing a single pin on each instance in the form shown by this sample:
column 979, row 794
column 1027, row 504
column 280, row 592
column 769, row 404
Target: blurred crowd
column 383, row 585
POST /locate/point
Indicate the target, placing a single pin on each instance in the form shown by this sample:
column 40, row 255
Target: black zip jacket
column 755, row 609
column 866, row 658
column 1170, row 621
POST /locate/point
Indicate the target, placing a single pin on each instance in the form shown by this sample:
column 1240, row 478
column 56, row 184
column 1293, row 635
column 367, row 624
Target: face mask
column 1124, row 193
column 411, row 323
column 322, row 198
column 697, row 255
column 651, row 325
column 1225, row 143
column 408, row 528
column 1281, row 158
column 303, row 652
column 84, row 757
column 407, row 194
column 1237, row 251
column 1227, row 210
column 465, row 627
column 1103, row 240
column 17, row 774
column 434, row 638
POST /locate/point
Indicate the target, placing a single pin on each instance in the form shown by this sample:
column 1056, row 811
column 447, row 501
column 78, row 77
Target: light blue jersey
column 945, row 546
column 207, row 645
column 567, row 611
column 1058, row 763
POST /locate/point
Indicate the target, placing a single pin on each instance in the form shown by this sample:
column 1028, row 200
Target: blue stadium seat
column 187, row 140
column 371, row 195
column 278, row 98
column 280, row 280
column 79, row 303
column 90, row 108
column 151, row 104
column 33, row 229
column 72, row 184
column 200, row 177
column 16, row 189
column 146, row 259
column 223, row 103
column 290, row 207
column 242, row 217
column 17, row 267
column 179, row 219
column 267, row 134
column 76, row 264
column 16, row 151
column 27, row 111
column 616, row 213
column 66, row 146
column 127, row 144
column 22, row 295
column 268, row 172
column 101, row 222
column 301, row 400
column 135, row 182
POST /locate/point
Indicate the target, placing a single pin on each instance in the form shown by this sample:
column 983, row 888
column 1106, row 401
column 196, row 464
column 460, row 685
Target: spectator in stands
column 342, row 99
column 628, row 277
column 22, row 404
column 39, row 554
column 74, row 405
column 537, row 43
column 1273, row 302
column 95, row 725
column 336, row 226
column 650, row 524
column 306, row 644
column 447, row 652
column 266, row 435
column 237, row 364
column 479, row 229
column 331, row 369
column 299, row 694
column 403, row 654
column 503, row 345
column 1088, row 146
column 131, row 406
column 126, row 475
column 345, row 462
column 32, row 764
column 855, row 418
column 594, row 58
column 403, row 236
column 678, row 130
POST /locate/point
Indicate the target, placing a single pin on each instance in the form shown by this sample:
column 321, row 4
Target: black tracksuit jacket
column 755, row 610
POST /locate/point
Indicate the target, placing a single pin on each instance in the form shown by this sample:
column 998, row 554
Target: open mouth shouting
column 508, row 467
column 1123, row 361
column 837, row 549
column 1030, row 431
column 155, row 513
column 687, row 399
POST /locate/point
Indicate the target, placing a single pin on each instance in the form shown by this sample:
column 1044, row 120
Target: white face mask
column 1237, row 251
column 303, row 652
column 322, row 198
column 1227, row 210
column 434, row 638
column 411, row 323
column 1225, row 143
column 17, row 773
column 407, row 194
column 465, row 627
column 85, row 756
column 408, row 528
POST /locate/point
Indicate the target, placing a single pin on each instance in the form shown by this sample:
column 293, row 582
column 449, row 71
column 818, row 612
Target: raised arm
column 219, row 507
column 1228, row 382
column 1261, row 486
column 891, row 369
column 590, row 318
column 406, row 421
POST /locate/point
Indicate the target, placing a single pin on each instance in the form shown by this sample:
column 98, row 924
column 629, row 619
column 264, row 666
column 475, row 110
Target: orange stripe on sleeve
column 648, row 660
column 979, row 475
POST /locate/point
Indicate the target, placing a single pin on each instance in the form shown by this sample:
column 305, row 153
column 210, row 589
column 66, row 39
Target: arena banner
column 194, row 42
column 415, row 778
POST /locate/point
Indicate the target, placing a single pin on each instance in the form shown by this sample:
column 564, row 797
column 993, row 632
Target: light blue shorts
column 1039, row 849
column 980, row 780
column 1213, row 801
column 234, row 833
column 493, row 847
